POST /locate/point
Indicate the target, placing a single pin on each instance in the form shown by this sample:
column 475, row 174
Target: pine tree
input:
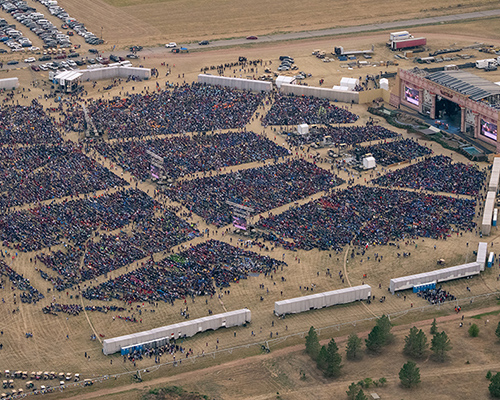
column 375, row 340
column 353, row 348
column 322, row 360
column 497, row 332
column 361, row 395
column 312, row 344
column 415, row 343
column 474, row 330
column 440, row 344
column 385, row 325
column 409, row 375
column 334, row 360
column 434, row 328
column 353, row 391
column 494, row 387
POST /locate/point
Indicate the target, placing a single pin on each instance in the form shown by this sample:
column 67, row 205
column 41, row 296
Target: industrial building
column 473, row 102
column 321, row 300
column 159, row 336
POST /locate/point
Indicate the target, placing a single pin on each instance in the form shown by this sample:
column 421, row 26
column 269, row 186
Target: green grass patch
column 478, row 316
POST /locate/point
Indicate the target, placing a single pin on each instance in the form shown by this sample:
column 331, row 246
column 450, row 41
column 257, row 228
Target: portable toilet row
column 491, row 260
column 423, row 287
column 495, row 217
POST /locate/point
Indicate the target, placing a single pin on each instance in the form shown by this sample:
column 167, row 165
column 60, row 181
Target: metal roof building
column 471, row 85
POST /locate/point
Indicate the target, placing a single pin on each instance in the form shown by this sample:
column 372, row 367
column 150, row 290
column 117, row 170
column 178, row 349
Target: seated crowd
column 47, row 225
column 185, row 155
column 262, row 188
column 195, row 272
column 437, row 174
column 36, row 173
column 27, row 125
column 28, row 293
column 345, row 134
column 293, row 110
column 389, row 153
column 192, row 107
column 369, row 216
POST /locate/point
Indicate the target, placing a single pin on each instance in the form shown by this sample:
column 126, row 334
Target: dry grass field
column 156, row 21
column 50, row 349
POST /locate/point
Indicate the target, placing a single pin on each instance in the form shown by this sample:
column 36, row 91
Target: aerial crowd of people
column 185, row 155
column 262, row 188
column 389, row 153
column 369, row 216
column 438, row 174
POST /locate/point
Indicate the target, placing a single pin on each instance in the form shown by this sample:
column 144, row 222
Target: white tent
column 384, row 83
column 175, row 331
column 284, row 79
column 369, row 162
column 320, row 300
column 302, row 129
column 350, row 83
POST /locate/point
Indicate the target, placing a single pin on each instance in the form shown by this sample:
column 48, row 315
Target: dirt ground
column 49, row 349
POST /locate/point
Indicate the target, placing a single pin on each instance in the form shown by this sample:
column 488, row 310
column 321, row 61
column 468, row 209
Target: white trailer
column 399, row 35
column 321, row 300
column 236, row 83
column 481, row 64
column 440, row 275
column 495, row 175
column 482, row 251
column 489, row 205
column 184, row 329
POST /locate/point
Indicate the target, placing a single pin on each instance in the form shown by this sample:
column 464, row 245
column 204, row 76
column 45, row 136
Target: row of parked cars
column 286, row 63
column 34, row 21
column 71, row 23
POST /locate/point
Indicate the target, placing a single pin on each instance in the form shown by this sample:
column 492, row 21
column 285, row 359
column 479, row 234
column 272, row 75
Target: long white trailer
column 495, row 176
column 176, row 331
column 236, row 83
column 440, row 275
column 482, row 253
column 321, row 300
column 489, row 205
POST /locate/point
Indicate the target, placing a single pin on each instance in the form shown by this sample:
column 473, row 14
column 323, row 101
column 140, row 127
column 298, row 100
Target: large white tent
column 175, row 331
column 321, row 300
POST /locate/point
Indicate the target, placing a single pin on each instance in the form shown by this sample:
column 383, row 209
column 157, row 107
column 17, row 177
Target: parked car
column 134, row 56
column 203, row 42
column 35, row 68
column 95, row 51
column 12, row 62
column 252, row 37
column 29, row 59
column 171, row 44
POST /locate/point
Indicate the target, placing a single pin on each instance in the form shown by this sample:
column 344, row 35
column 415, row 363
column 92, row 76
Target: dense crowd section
column 195, row 272
column 111, row 252
column 28, row 293
column 47, row 225
column 26, row 125
column 369, row 216
column 186, row 108
column 345, row 134
column 293, row 110
column 261, row 188
column 184, row 155
column 397, row 151
column 436, row 174
column 36, row 173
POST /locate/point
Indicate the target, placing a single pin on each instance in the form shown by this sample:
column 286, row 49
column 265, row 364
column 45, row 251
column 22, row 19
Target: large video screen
column 412, row 95
column 240, row 223
column 155, row 172
column 488, row 129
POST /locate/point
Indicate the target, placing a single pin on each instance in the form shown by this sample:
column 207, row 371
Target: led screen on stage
column 412, row 95
column 489, row 130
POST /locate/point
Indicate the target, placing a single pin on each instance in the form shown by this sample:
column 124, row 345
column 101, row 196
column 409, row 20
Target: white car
column 171, row 44
column 43, row 67
column 29, row 60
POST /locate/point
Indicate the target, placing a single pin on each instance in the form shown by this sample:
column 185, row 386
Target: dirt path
column 237, row 364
